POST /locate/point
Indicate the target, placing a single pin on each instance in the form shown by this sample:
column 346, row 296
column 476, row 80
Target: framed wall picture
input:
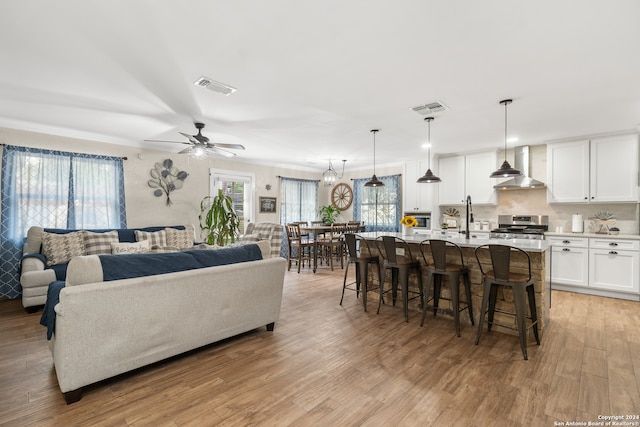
column 268, row 204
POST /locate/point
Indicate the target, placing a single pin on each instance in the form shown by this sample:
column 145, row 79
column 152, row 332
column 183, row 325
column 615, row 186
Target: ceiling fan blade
column 231, row 146
column 173, row 142
column 220, row 151
column 186, row 150
column 190, row 137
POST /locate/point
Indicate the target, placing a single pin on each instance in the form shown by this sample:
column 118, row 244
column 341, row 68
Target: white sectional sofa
column 105, row 328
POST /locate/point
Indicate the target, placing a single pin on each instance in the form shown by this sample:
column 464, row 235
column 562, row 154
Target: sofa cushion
column 99, row 243
column 130, row 248
column 60, row 248
column 254, row 237
column 181, row 239
column 155, row 238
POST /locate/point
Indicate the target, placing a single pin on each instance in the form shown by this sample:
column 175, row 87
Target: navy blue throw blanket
column 116, row 267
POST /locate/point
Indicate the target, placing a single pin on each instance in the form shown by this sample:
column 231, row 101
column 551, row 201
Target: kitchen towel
column 577, row 225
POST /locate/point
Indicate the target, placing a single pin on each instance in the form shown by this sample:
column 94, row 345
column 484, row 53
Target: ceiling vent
column 215, row 86
column 430, row 108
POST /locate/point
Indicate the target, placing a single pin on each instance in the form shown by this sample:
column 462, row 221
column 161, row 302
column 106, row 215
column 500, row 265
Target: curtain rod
column 24, row 146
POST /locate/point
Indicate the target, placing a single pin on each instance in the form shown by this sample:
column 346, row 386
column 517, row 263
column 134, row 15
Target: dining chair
column 301, row 246
column 359, row 253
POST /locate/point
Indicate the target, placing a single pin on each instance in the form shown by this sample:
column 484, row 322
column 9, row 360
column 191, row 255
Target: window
column 298, row 200
column 378, row 207
column 239, row 186
column 54, row 189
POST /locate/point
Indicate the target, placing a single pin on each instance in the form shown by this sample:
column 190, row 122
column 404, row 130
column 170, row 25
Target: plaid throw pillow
column 99, row 243
column 181, row 239
column 60, row 248
column 155, row 238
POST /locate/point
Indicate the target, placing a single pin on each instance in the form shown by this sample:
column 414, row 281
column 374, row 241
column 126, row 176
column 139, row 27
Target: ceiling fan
column 201, row 147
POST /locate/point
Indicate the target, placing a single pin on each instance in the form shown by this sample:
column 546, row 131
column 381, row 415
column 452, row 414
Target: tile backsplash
column 534, row 202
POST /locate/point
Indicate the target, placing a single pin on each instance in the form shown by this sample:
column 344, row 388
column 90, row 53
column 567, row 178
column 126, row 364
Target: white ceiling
column 314, row 77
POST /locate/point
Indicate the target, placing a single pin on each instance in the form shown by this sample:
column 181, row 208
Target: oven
column 523, row 227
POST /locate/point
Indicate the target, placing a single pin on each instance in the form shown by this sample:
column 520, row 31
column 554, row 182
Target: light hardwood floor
column 332, row 365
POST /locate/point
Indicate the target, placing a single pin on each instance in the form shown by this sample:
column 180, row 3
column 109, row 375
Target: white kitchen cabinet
column 614, row 265
column 600, row 170
column 570, row 261
column 467, row 175
column 416, row 197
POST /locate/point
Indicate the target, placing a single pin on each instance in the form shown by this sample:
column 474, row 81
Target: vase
column 407, row 231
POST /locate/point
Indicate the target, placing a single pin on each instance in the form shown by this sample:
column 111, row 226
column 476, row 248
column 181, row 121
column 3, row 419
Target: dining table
column 315, row 230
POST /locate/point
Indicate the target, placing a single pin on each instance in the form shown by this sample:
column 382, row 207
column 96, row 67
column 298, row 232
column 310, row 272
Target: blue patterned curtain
column 378, row 207
column 54, row 189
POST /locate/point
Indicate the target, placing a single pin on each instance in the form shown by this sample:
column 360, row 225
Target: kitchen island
column 537, row 250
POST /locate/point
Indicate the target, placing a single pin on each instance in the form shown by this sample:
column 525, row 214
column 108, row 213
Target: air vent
column 430, row 108
column 215, row 86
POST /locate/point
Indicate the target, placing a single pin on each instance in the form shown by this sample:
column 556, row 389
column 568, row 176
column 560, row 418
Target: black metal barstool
column 401, row 266
column 521, row 284
column 438, row 269
column 362, row 259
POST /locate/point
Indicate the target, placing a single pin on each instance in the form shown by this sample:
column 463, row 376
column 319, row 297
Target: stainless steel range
column 529, row 227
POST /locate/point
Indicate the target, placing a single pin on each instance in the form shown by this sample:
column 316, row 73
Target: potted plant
column 328, row 214
column 218, row 220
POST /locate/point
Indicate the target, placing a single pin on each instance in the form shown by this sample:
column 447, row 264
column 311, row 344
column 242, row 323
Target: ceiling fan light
column 428, row 178
column 198, row 152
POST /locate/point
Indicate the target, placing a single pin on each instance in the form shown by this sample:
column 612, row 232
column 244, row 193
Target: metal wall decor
column 166, row 179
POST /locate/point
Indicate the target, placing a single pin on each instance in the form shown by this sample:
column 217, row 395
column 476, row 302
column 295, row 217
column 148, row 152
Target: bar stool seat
column 362, row 260
column 401, row 267
column 438, row 269
column 521, row 284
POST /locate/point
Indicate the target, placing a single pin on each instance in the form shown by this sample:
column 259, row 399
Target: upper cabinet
column 416, row 197
column 467, row 175
column 601, row 170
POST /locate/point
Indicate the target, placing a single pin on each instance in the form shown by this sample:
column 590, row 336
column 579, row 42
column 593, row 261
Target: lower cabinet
column 570, row 261
column 599, row 266
column 613, row 265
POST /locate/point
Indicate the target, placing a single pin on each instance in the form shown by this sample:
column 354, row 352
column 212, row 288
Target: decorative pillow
column 60, row 248
column 155, row 238
column 180, row 239
column 130, row 248
column 99, row 243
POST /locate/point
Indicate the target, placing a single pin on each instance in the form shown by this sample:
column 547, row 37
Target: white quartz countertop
column 592, row 235
column 527, row 245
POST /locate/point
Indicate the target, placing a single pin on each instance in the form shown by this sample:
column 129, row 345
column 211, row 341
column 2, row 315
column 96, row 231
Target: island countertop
column 526, row 245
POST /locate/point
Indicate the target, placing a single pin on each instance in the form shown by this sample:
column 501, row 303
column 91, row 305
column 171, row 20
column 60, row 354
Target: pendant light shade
column 374, row 181
column 428, row 177
column 506, row 171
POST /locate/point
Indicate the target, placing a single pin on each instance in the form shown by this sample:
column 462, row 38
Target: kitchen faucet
column 469, row 210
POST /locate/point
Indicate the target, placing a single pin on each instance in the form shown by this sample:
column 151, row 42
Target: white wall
column 143, row 208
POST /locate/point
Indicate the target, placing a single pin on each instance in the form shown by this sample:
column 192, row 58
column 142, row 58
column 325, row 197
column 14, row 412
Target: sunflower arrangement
column 409, row 221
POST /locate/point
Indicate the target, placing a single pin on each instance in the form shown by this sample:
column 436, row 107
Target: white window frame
column 215, row 175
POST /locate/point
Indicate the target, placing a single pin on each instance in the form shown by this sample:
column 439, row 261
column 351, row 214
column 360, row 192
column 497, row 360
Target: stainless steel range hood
column 522, row 163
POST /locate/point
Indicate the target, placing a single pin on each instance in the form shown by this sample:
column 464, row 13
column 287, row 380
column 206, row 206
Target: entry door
column 238, row 185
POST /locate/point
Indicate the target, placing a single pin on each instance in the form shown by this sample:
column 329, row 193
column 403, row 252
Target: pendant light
column 374, row 181
column 329, row 176
column 506, row 171
column 428, row 177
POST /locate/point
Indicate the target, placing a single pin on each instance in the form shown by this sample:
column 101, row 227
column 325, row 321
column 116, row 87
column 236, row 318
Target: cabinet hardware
column 566, row 242
column 566, row 250
column 613, row 244
column 613, row 253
